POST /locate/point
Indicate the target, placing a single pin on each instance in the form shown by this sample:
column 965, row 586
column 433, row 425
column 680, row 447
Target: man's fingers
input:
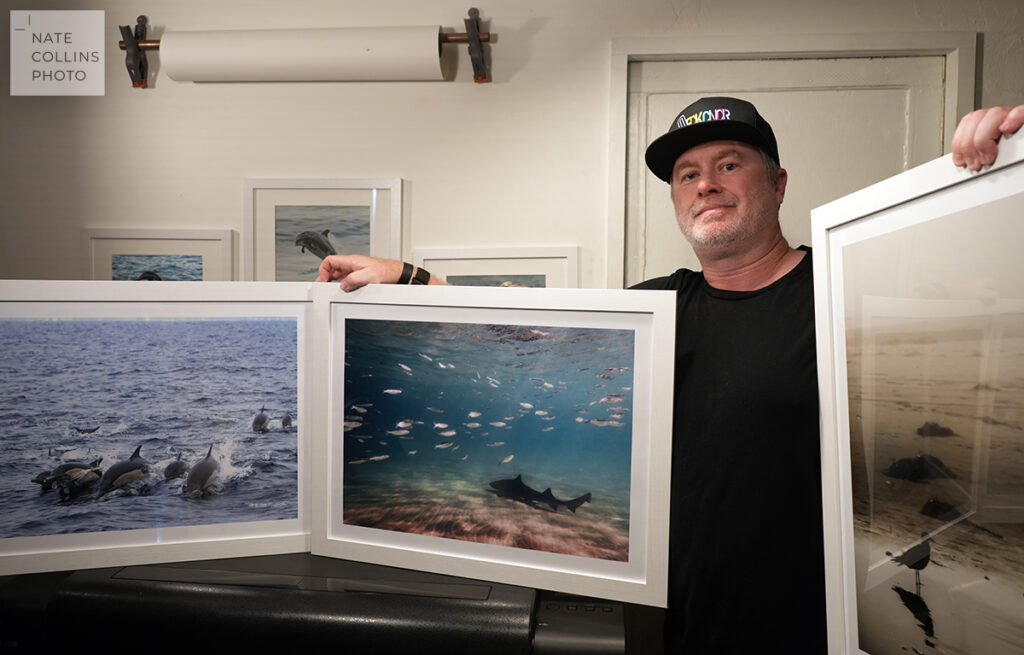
column 1013, row 121
column 987, row 135
column 964, row 152
column 976, row 140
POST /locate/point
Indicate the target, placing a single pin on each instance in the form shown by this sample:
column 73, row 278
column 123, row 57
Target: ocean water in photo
column 348, row 233
column 502, row 434
column 92, row 390
column 179, row 268
column 538, row 281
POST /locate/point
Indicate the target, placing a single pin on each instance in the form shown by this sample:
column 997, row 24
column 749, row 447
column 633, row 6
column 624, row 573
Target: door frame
column 958, row 48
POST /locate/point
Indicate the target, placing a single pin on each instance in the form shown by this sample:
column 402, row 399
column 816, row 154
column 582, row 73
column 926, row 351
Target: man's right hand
column 354, row 271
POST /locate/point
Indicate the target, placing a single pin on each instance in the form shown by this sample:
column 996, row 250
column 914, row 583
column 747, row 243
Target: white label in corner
column 57, row 53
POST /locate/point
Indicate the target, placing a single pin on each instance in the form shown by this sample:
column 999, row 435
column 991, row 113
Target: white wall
column 520, row 161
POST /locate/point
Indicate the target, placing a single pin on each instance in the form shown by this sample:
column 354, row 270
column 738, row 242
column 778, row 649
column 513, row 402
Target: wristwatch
column 422, row 276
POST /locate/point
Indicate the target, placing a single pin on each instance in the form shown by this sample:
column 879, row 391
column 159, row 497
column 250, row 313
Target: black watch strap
column 422, row 276
column 406, row 273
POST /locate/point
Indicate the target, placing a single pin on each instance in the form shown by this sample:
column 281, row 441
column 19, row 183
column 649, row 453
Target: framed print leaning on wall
column 290, row 225
column 162, row 422
column 540, row 267
column 919, row 297
column 519, row 436
column 179, row 255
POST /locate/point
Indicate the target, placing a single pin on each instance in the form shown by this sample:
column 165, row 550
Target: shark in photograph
column 516, row 489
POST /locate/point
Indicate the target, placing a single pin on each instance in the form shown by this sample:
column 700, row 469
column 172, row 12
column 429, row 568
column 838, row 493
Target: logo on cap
column 722, row 114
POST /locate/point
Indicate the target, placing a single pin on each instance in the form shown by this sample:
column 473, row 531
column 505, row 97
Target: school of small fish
column 412, row 427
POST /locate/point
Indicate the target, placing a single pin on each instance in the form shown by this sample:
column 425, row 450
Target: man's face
column 723, row 197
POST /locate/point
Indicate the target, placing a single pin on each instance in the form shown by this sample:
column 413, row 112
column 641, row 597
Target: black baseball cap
column 710, row 119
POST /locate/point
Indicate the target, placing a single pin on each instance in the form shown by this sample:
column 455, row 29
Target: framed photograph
column 919, row 297
column 520, row 436
column 289, row 226
column 545, row 267
column 172, row 255
column 150, row 423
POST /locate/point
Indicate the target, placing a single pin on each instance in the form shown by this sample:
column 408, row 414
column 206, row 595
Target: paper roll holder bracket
column 135, row 45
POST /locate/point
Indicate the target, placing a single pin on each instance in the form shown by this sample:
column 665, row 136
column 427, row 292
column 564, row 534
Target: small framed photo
column 290, row 225
column 520, row 436
column 919, row 300
column 544, row 267
column 173, row 255
column 152, row 423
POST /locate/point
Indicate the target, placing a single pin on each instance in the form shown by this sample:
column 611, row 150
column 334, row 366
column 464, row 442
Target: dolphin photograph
column 305, row 234
column 128, row 423
column 513, row 435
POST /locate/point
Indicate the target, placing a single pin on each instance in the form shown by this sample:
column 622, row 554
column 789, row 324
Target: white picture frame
column 542, row 317
column 208, row 253
column 277, row 211
column 919, row 301
column 98, row 368
column 540, row 266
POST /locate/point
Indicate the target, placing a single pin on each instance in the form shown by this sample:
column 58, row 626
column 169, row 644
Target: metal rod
column 457, row 37
column 462, row 37
column 143, row 45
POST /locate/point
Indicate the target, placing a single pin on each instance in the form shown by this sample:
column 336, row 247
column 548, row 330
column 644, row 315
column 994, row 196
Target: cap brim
column 663, row 152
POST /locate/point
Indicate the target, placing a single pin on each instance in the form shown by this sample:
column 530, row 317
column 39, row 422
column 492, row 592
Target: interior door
column 841, row 124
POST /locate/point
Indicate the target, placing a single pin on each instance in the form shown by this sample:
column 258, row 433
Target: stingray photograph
column 935, row 368
column 513, row 435
column 129, row 423
column 305, row 234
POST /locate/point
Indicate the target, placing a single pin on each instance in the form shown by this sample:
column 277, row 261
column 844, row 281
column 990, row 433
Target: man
column 746, row 560
column 745, row 551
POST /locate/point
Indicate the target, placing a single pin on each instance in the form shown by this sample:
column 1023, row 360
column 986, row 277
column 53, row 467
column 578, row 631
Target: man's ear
column 780, row 186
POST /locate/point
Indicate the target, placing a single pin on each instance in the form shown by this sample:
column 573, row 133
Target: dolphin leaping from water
column 123, row 472
column 202, row 474
column 260, row 423
column 316, row 243
column 516, row 489
column 71, row 475
column 175, row 469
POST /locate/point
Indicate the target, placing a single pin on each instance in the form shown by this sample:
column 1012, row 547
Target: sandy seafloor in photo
column 934, row 320
column 80, row 389
column 435, row 412
column 972, row 589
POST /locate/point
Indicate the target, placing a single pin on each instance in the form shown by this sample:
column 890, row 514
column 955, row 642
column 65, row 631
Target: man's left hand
column 975, row 142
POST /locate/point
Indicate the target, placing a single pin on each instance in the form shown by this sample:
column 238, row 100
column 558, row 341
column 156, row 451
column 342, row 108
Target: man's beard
column 705, row 235
column 714, row 233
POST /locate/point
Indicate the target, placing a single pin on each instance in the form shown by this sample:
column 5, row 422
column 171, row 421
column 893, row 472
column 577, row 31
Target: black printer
column 302, row 601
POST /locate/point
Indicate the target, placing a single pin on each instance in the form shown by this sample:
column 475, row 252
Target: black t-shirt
column 746, row 569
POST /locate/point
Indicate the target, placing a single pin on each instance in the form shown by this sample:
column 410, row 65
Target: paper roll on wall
column 303, row 55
